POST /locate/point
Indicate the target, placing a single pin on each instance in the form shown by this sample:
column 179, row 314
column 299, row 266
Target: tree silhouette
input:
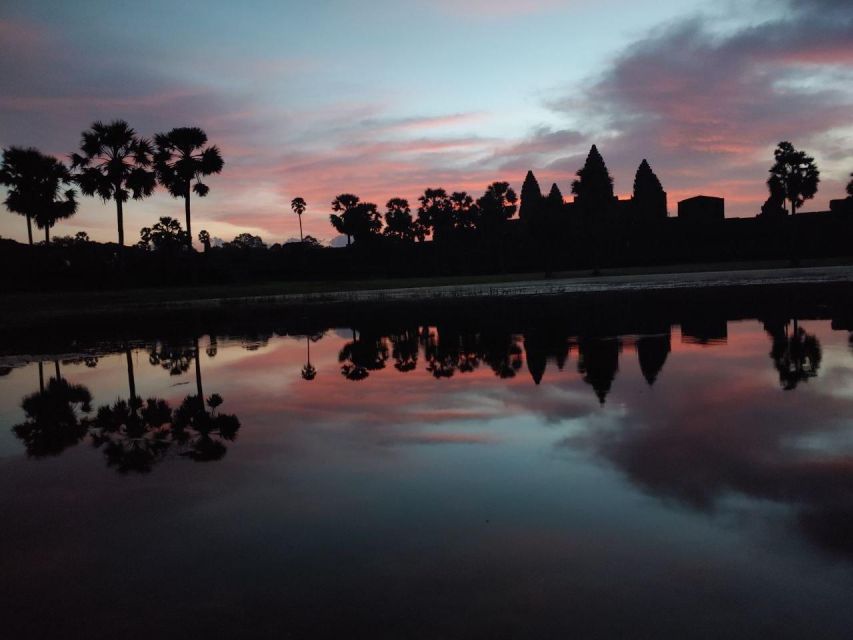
column 435, row 213
column 165, row 235
column 52, row 423
column 774, row 206
column 649, row 197
column 531, row 198
column 796, row 173
column 204, row 239
column 357, row 220
column 35, row 188
column 181, row 159
column 298, row 206
column 247, row 241
column 344, row 204
column 465, row 211
column 496, row 206
column 398, row 220
column 850, row 187
column 115, row 164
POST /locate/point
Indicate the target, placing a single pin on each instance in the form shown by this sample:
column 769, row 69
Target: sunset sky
column 383, row 98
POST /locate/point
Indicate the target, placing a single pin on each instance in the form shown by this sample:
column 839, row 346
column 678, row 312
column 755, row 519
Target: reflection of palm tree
column 133, row 435
column 404, row 349
column 173, row 357
column 502, row 353
column 201, row 431
column 199, row 390
column 308, row 371
column 52, row 424
column 212, row 347
column 796, row 355
column 450, row 351
column 362, row 355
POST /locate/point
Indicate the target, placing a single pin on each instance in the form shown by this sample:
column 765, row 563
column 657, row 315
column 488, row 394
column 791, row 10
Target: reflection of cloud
column 736, row 436
column 441, row 438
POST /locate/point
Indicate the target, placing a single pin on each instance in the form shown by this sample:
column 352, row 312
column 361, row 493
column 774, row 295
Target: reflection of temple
column 707, row 330
column 598, row 362
column 652, row 352
column 598, row 357
column 541, row 345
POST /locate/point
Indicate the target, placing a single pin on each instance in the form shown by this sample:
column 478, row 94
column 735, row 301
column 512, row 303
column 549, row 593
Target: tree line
column 117, row 164
column 113, row 163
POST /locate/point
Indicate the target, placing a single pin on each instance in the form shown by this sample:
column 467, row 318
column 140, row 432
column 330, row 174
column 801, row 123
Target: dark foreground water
column 688, row 479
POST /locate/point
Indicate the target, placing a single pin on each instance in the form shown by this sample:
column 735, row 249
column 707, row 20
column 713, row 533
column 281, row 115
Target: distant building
column 702, row 209
column 844, row 205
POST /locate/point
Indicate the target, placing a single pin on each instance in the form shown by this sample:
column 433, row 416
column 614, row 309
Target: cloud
column 707, row 109
column 499, row 8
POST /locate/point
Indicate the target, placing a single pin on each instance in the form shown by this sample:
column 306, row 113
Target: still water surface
column 433, row 483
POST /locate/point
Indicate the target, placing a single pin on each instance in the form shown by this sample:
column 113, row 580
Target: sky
column 386, row 98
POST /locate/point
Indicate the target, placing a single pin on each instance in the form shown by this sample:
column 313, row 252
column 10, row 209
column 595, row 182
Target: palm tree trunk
column 30, row 229
column 792, row 248
column 198, row 377
column 47, row 234
column 131, row 381
column 120, row 218
column 187, row 213
column 41, row 376
column 301, row 239
column 56, row 366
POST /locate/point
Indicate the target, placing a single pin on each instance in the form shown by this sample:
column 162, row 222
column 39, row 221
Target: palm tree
column 298, row 205
column 34, row 181
column 182, row 158
column 114, row 165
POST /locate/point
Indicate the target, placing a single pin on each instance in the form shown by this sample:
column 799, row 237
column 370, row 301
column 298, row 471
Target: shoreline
column 28, row 309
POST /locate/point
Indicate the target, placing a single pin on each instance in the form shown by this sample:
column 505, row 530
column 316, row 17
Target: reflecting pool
column 687, row 478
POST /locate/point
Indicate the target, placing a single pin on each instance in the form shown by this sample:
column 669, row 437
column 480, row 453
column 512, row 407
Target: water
column 693, row 479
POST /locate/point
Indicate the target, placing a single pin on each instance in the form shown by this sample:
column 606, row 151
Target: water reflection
column 795, row 353
column 53, row 422
column 133, row 434
column 538, row 462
